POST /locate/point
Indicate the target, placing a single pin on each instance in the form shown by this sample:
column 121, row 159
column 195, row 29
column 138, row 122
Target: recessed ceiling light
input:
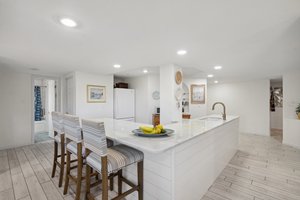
column 216, row 81
column 117, row 66
column 210, row 75
column 68, row 22
column 218, row 67
column 145, row 71
column 181, row 52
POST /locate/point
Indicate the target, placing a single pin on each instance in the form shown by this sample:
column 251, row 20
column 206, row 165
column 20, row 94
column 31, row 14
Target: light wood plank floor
column 25, row 174
column 277, row 134
column 263, row 168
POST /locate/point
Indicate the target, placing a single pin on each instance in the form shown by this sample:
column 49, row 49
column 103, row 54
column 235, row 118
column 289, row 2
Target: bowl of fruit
column 152, row 131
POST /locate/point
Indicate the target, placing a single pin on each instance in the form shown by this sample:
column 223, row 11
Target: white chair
column 74, row 141
column 59, row 139
column 74, row 146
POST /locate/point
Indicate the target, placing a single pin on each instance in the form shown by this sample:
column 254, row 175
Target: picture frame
column 198, row 94
column 96, row 94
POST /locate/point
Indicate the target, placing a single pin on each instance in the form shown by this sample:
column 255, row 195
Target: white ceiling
column 251, row 39
column 189, row 72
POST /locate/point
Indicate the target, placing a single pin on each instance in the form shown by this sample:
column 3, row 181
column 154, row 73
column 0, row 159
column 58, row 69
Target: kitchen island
column 183, row 165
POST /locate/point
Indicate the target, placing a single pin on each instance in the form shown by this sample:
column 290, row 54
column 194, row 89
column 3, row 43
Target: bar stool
column 109, row 162
column 59, row 139
column 74, row 146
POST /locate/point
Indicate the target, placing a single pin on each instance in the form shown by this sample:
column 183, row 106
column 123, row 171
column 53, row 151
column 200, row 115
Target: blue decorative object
column 37, row 103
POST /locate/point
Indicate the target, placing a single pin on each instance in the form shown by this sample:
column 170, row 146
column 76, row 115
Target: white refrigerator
column 124, row 104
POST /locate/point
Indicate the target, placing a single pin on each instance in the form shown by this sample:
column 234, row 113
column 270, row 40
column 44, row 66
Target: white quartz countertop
column 120, row 131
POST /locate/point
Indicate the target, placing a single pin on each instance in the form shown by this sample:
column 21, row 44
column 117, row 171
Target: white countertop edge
column 195, row 136
column 172, row 145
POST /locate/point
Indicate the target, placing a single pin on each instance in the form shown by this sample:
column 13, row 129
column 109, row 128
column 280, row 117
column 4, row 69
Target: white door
column 70, row 95
column 124, row 103
column 50, row 106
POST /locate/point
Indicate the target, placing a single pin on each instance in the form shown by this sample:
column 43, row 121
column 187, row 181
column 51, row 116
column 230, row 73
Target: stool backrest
column 94, row 137
column 57, row 122
column 72, row 128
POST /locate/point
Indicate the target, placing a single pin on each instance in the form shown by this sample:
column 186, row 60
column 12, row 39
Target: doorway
column 44, row 103
column 276, row 109
column 70, row 95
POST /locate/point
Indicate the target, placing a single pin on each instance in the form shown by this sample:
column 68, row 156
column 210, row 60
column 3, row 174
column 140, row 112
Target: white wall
column 153, row 85
column 249, row 100
column 196, row 110
column 291, row 98
column 145, row 105
column 15, row 108
column 118, row 79
column 140, row 85
column 169, row 112
column 93, row 110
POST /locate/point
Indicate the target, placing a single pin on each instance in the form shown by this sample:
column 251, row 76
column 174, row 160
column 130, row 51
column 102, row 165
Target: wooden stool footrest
column 128, row 182
column 121, row 196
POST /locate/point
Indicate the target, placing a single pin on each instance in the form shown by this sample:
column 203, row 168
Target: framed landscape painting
column 198, row 94
column 96, row 94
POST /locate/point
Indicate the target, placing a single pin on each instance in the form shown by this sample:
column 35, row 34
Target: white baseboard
column 289, row 144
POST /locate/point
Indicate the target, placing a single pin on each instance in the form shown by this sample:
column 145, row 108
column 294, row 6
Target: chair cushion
column 72, row 147
column 118, row 157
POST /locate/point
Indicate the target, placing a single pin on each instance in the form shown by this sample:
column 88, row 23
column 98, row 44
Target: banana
column 160, row 127
column 147, row 129
column 152, row 130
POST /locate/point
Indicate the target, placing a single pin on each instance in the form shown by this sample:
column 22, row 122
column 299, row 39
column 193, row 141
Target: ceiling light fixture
column 68, row 22
column 216, row 81
column 145, row 71
column 117, row 66
column 210, row 75
column 181, row 52
column 218, row 67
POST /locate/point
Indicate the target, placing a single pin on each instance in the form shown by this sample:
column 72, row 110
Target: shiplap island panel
column 183, row 165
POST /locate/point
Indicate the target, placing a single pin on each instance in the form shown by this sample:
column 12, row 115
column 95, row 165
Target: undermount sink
column 211, row 118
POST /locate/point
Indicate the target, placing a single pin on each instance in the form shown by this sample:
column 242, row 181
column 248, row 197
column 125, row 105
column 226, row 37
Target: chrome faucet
column 224, row 109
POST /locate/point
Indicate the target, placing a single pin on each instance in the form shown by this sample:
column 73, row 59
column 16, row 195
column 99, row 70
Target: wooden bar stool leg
column 104, row 178
column 67, row 172
column 97, row 175
column 79, row 171
column 141, row 179
column 111, row 183
column 62, row 161
column 120, row 182
column 54, row 159
column 88, row 181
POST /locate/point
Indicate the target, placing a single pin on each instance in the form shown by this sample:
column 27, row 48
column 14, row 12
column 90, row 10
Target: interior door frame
column 58, row 100
column 65, row 96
